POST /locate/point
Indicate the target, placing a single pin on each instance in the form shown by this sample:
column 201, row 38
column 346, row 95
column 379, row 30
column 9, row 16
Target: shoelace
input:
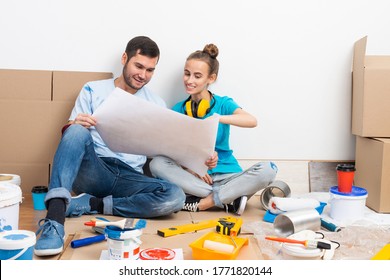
column 191, row 206
column 47, row 226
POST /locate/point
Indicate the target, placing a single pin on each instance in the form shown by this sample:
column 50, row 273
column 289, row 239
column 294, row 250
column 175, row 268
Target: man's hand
column 212, row 161
column 85, row 120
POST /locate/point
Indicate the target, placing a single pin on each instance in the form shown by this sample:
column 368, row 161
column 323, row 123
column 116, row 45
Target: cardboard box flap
column 13, row 84
column 384, row 140
column 359, row 55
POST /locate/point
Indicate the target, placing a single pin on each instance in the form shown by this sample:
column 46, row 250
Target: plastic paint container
column 347, row 207
column 10, row 178
column 123, row 244
column 10, row 197
column 17, row 245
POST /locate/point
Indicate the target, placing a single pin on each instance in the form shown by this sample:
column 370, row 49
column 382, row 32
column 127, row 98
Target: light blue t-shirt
column 221, row 105
column 91, row 96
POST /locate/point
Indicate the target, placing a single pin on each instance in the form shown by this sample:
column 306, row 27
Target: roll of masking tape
column 276, row 188
column 218, row 246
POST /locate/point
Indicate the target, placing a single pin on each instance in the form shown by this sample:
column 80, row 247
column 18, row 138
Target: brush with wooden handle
column 129, row 223
column 307, row 243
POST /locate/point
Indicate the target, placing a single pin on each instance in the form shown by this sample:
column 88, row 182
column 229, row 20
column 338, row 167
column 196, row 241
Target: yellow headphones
column 198, row 109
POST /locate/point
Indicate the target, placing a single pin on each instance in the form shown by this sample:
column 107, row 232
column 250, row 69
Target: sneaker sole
column 48, row 252
column 241, row 209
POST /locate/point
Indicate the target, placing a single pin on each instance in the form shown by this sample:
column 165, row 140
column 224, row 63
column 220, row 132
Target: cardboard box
column 373, row 171
column 25, row 85
column 31, row 118
column 370, row 93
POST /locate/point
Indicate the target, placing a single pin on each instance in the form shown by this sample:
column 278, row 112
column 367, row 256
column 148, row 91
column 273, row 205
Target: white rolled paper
column 218, row 246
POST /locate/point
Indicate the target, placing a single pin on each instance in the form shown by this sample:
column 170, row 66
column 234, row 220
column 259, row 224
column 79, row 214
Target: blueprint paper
column 128, row 124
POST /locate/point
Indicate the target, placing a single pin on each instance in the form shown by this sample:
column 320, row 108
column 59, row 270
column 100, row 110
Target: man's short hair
column 144, row 45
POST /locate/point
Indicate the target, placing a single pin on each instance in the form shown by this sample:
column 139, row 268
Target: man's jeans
column 125, row 192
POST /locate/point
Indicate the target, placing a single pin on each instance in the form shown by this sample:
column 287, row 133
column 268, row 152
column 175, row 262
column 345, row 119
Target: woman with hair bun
column 225, row 185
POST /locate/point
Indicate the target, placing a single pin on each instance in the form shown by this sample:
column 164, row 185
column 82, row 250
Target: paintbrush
column 307, row 243
column 129, row 223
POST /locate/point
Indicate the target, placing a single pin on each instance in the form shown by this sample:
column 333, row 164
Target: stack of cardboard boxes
column 34, row 106
column 371, row 125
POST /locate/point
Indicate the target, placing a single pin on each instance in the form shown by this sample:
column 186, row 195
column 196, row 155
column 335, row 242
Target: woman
column 226, row 185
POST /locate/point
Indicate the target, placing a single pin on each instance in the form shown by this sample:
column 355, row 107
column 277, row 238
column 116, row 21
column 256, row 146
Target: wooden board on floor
column 323, row 175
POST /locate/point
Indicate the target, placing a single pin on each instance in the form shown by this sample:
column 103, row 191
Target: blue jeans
column 125, row 191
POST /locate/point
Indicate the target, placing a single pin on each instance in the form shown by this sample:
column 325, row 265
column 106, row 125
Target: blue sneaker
column 51, row 241
column 79, row 205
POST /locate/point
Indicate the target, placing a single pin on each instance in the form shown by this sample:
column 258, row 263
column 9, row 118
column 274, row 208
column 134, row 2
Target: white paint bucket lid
column 16, row 239
column 10, row 178
column 10, row 194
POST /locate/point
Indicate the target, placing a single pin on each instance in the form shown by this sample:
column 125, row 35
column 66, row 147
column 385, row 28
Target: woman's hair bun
column 212, row 50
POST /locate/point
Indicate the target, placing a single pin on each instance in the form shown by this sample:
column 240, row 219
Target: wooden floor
column 28, row 217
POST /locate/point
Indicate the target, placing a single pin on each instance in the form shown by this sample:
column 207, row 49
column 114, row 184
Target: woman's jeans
column 125, row 192
column 226, row 187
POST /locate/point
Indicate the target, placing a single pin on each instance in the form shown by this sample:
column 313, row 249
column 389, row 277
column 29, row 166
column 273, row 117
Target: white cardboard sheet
column 129, row 124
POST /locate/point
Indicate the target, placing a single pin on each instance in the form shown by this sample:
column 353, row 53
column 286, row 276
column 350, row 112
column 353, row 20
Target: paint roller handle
column 86, row 241
column 329, row 226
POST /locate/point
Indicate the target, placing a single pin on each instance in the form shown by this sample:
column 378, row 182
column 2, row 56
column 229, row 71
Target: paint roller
column 218, row 246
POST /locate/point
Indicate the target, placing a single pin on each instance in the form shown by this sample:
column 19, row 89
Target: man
column 106, row 182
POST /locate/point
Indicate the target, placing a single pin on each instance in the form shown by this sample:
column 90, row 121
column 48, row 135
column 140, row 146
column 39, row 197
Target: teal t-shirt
column 221, row 105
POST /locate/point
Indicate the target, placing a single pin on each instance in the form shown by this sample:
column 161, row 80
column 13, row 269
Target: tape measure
column 229, row 226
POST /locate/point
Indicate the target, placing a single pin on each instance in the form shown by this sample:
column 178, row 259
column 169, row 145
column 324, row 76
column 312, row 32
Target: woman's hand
column 207, row 179
column 212, row 161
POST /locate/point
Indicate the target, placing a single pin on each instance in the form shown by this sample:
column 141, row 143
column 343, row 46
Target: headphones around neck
column 198, row 109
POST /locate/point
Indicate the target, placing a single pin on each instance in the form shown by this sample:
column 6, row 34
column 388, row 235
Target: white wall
column 287, row 62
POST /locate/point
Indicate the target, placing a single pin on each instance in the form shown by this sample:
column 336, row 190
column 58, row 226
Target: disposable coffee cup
column 345, row 176
column 291, row 222
column 38, row 196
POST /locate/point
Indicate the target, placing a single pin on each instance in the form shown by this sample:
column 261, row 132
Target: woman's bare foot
column 206, row 202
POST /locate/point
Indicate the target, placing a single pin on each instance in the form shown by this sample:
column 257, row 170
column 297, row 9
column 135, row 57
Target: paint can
column 347, row 207
column 17, row 245
column 10, row 178
column 123, row 244
column 10, row 198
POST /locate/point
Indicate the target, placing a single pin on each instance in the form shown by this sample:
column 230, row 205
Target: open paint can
column 123, row 244
column 17, row 245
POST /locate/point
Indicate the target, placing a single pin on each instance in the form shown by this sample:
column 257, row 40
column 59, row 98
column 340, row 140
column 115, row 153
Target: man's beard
column 128, row 79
